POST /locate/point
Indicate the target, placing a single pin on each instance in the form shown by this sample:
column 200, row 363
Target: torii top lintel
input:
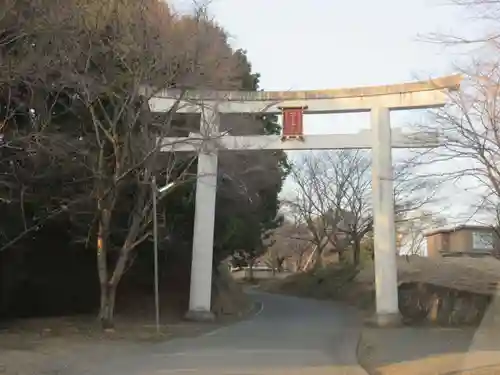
column 422, row 94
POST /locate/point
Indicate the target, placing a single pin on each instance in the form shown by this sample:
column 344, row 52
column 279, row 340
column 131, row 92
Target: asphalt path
column 286, row 336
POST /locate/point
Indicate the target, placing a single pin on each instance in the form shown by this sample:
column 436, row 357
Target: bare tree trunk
column 106, row 306
column 299, row 262
column 109, row 287
column 108, row 298
column 342, row 257
column 250, row 270
column 109, row 284
column 356, row 251
column 318, row 261
column 280, row 262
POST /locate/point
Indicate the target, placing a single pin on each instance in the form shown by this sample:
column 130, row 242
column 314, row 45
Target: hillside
column 445, row 291
column 476, row 275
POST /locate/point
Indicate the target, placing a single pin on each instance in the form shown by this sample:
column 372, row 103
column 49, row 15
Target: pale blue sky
column 334, row 43
column 318, row 44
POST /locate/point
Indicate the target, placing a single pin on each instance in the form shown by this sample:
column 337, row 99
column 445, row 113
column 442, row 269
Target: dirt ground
column 32, row 345
column 46, row 346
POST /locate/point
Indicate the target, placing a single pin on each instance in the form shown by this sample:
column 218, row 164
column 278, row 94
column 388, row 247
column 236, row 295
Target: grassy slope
column 447, row 285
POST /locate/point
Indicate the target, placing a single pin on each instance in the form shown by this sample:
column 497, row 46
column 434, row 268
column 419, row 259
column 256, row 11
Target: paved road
column 289, row 336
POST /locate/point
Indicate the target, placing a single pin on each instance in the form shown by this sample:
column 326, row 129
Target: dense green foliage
column 74, row 150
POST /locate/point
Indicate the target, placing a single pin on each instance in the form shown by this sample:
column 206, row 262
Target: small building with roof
column 462, row 240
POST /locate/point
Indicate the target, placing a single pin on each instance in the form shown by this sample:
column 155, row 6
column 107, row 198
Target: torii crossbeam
column 378, row 100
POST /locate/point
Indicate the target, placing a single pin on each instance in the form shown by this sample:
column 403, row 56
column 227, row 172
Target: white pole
column 204, row 219
column 310, row 257
column 155, row 252
column 384, row 227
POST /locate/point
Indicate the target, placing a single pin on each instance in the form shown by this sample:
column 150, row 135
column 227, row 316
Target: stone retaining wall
column 420, row 303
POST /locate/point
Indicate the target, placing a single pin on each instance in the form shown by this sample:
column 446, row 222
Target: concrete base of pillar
column 200, row 316
column 388, row 320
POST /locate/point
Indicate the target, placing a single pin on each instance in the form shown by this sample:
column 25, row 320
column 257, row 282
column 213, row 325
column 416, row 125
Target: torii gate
column 379, row 100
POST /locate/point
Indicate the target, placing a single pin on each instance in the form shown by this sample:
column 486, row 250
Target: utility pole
column 155, row 253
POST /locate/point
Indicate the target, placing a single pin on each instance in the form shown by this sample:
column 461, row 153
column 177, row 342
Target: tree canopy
column 78, row 149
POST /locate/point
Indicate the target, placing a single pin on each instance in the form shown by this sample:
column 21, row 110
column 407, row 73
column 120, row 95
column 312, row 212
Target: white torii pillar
column 200, row 293
column 384, row 228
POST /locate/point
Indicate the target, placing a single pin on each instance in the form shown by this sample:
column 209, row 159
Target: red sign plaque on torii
column 293, row 123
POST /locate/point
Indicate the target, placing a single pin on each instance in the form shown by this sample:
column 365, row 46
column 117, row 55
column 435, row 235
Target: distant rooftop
column 454, row 228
